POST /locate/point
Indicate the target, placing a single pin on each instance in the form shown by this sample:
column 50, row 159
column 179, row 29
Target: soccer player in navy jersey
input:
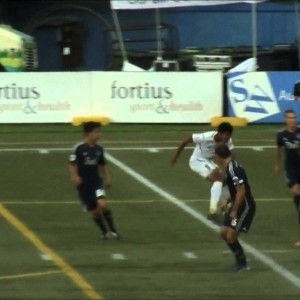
column 85, row 165
column 288, row 140
column 240, row 204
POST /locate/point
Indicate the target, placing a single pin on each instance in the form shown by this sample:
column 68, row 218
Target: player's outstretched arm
column 75, row 178
column 277, row 164
column 183, row 144
column 106, row 176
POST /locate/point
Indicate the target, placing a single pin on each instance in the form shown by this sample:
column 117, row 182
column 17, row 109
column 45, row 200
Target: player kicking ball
column 240, row 205
column 202, row 161
column 85, row 165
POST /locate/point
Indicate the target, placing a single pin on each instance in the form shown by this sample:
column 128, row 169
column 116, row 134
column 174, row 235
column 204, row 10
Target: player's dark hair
column 225, row 127
column 297, row 89
column 90, row 126
column 289, row 111
column 222, row 150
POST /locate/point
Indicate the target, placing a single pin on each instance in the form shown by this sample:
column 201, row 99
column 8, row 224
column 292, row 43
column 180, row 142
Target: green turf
column 156, row 233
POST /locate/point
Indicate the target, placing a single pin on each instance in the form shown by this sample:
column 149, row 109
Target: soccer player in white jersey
column 202, row 160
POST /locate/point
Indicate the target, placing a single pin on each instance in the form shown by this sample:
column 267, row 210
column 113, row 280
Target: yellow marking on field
column 127, row 201
column 28, row 275
column 58, row 260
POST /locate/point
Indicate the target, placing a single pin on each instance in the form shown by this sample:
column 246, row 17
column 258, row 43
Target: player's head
column 222, row 153
column 290, row 118
column 225, row 130
column 92, row 131
column 296, row 92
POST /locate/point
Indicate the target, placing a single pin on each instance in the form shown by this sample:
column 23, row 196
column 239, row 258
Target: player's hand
column 233, row 214
column 77, row 181
column 276, row 168
column 173, row 161
column 224, row 206
column 107, row 185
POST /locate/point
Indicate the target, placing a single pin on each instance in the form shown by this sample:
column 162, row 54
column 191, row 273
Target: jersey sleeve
column 236, row 173
column 74, row 156
column 279, row 141
column 198, row 137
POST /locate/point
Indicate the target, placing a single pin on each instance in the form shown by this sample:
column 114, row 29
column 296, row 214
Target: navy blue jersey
column 290, row 141
column 235, row 175
column 87, row 159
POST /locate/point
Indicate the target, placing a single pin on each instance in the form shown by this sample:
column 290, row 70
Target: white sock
column 224, row 193
column 215, row 194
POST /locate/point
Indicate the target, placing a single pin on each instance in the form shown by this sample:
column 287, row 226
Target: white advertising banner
column 150, row 4
column 129, row 97
column 159, row 97
column 44, row 97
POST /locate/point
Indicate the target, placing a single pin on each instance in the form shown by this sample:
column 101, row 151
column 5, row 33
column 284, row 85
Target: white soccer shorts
column 204, row 167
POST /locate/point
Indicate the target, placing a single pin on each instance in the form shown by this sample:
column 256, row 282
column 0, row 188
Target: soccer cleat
column 105, row 236
column 215, row 218
column 115, row 235
column 297, row 244
column 241, row 267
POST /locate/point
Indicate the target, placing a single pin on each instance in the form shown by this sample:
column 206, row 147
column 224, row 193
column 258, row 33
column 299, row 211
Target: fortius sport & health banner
column 152, row 4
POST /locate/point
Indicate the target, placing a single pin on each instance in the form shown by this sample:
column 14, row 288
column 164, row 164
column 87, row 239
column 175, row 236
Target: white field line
column 268, row 261
column 190, row 255
column 47, row 150
column 274, row 251
column 24, row 202
column 106, row 142
column 118, row 256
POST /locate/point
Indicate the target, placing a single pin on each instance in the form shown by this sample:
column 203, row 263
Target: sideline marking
column 44, row 151
column 43, row 248
column 118, row 256
column 27, row 275
column 257, row 148
column 190, row 255
column 268, row 261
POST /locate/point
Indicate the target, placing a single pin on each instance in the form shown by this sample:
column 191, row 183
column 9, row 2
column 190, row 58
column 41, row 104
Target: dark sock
column 238, row 252
column 109, row 219
column 297, row 204
column 99, row 221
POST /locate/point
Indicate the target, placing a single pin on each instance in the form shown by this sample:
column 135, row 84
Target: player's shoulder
column 208, row 134
column 281, row 131
column 99, row 147
column 233, row 165
column 79, row 146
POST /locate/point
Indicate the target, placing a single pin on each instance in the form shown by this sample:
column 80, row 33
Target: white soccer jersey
column 205, row 145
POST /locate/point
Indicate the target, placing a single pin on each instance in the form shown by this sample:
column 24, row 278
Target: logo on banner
column 251, row 96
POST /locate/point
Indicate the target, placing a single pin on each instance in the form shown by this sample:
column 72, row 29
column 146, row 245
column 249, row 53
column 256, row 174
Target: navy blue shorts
column 89, row 197
column 292, row 176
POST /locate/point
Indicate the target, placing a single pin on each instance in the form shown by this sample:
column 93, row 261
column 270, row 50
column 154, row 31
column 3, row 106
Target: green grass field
column 50, row 249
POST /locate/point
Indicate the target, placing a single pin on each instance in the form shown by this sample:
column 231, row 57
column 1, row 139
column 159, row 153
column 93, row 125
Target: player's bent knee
column 223, row 233
column 215, row 175
column 102, row 203
column 232, row 236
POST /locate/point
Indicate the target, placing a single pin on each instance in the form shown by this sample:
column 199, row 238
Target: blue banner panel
column 262, row 97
